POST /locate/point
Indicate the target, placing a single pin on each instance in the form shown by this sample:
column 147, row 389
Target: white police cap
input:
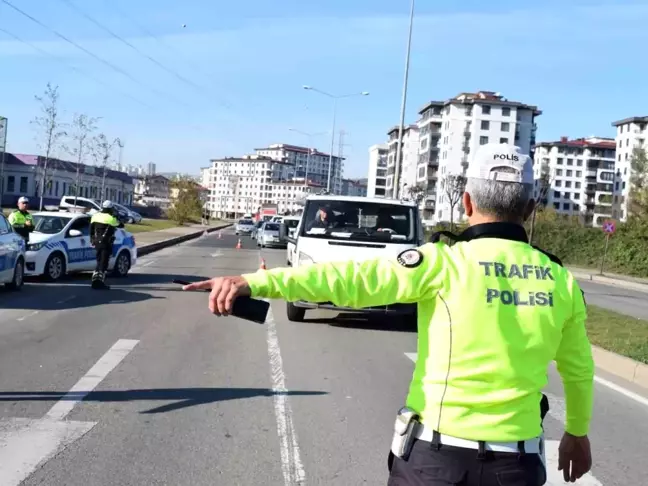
column 23, row 199
column 501, row 162
column 107, row 205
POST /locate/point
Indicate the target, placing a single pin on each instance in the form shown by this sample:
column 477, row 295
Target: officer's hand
column 574, row 457
column 28, row 223
column 224, row 290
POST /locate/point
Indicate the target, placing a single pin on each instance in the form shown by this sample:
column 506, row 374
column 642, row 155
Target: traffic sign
column 609, row 227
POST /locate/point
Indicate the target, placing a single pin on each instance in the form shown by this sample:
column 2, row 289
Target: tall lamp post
column 335, row 101
column 401, row 127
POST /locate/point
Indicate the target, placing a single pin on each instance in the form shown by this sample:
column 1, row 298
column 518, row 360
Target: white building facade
column 305, row 163
column 631, row 134
column 241, row 185
column 377, row 179
column 582, row 178
column 446, row 135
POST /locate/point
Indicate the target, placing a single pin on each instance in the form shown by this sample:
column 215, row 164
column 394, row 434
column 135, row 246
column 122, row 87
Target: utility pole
column 3, row 147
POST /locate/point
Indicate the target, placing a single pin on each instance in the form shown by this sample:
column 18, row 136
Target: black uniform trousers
column 103, row 257
column 446, row 465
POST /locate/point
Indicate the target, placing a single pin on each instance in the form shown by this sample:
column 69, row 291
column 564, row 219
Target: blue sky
column 583, row 64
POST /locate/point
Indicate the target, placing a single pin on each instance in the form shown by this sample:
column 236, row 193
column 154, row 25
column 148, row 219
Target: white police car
column 60, row 243
column 12, row 256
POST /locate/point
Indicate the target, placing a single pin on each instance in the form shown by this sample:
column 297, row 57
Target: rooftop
column 481, row 97
column 590, row 142
column 295, row 148
column 634, row 119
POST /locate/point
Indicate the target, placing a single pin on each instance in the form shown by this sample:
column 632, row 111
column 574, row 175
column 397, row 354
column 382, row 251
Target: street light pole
column 401, row 127
column 335, row 100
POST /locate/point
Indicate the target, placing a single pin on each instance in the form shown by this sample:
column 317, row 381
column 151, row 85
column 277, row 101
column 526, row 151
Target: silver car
column 244, row 227
column 268, row 235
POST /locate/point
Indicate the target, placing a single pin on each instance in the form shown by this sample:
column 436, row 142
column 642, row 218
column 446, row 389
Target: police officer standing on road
column 102, row 234
column 493, row 312
column 21, row 221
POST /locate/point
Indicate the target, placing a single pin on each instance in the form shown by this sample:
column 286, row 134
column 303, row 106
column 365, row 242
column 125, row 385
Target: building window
column 558, row 183
column 483, row 140
column 23, row 185
column 577, row 185
column 559, row 172
column 566, row 206
column 568, row 183
column 506, row 126
column 576, row 207
column 579, row 173
column 557, row 205
column 485, row 124
column 504, row 140
column 506, row 111
column 570, row 161
column 11, row 183
column 486, row 109
column 556, row 194
column 577, row 195
column 570, row 173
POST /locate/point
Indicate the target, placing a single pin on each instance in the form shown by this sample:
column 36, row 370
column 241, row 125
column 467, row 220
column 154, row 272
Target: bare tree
column 544, row 184
column 455, row 186
column 50, row 132
column 417, row 192
column 82, row 128
column 102, row 152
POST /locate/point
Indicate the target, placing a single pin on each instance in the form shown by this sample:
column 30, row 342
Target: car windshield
column 246, row 222
column 50, row 225
column 359, row 221
column 271, row 227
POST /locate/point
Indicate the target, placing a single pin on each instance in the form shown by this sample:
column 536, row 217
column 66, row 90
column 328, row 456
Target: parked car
column 12, row 256
column 244, row 227
column 268, row 235
column 60, row 244
column 129, row 215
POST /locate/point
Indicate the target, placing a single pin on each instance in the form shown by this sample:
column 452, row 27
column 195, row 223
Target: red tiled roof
column 581, row 143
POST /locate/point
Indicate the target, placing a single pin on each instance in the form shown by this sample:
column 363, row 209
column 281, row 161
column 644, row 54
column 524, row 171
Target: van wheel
column 295, row 314
column 55, row 267
column 19, row 276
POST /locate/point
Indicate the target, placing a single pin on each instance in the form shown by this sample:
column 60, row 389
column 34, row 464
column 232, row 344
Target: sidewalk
column 613, row 279
column 149, row 237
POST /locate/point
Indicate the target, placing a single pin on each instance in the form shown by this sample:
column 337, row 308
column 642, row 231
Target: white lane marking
column 147, row 263
column 214, row 255
column 33, row 313
column 557, row 412
column 619, row 389
column 92, row 378
column 25, row 444
column 68, row 299
column 291, row 464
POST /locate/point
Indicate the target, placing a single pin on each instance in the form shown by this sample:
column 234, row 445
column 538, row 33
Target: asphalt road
column 180, row 397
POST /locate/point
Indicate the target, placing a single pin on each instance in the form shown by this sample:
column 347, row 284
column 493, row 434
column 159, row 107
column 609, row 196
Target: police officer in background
column 21, row 221
column 493, row 312
column 102, row 234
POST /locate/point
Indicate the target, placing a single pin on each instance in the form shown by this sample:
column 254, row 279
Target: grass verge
column 151, row 225
column 621, row 334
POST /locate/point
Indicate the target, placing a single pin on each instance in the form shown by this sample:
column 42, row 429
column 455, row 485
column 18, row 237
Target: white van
column 353, row 228
column 83, row 204
column 291, row 223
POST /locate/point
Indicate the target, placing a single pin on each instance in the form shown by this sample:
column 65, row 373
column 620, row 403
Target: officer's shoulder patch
column 410, row 258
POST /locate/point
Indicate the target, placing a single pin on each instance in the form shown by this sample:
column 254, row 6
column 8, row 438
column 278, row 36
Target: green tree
column 638, row 203
column 544, row 183
column 186, row 206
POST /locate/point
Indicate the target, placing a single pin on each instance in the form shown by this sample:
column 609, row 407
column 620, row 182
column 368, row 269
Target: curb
column 626, row 368
column 611, row 281
column 153, row 247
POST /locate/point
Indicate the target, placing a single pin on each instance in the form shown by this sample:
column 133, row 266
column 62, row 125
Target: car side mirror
column 75, row 233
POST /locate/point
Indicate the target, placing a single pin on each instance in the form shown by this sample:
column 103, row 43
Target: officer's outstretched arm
column 576, row 367
column 415, row 275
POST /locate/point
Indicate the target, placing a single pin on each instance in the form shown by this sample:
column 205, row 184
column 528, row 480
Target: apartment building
column 23, row 175
column 377, row 180
column 582, row 178
column 444, row 138
column 306, row 163
column 407, row 168
column 631, row 134
column 354, row 187
column 240, row 185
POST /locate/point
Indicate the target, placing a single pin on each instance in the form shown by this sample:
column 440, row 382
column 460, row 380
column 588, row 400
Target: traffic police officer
column 102, row 234
column 493, row 312
column 21, row 221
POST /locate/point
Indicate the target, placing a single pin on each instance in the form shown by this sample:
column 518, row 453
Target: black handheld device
column 247, row 308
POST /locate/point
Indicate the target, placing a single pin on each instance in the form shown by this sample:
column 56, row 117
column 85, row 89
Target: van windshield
column 359, row 221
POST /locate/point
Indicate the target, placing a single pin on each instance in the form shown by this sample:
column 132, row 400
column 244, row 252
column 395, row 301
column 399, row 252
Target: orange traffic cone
column 238, row 245
column 263, row 265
